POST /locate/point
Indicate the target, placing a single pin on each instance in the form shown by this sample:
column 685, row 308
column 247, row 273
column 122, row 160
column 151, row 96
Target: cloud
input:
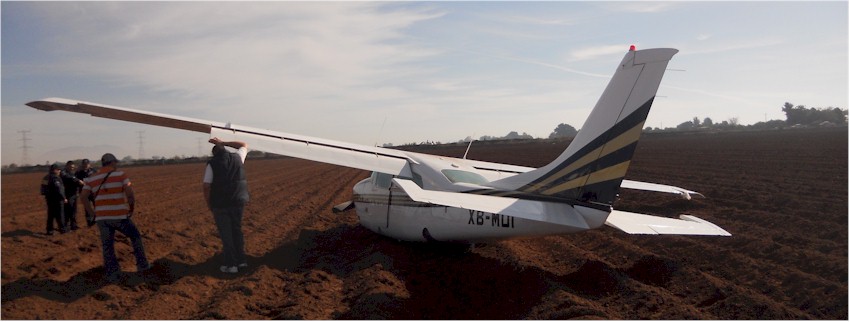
column 640, row 6
column 226, row 50
column 728, row 46
column 540, row 63
column 432, row 70
column 594, row 52
column 535, row 20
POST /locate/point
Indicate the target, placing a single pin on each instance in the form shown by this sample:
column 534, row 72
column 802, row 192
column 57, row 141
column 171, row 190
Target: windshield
column 456, row 176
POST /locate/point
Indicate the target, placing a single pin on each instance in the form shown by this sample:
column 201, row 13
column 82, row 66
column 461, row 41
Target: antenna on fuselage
column 381, row 131
column 467, row 149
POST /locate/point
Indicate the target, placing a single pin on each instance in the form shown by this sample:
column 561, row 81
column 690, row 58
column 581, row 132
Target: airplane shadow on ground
column 444, row 281
column 448, row 281
column 18, row 233
column 88, row 283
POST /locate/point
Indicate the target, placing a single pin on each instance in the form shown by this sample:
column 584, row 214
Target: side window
column 417, row 179
column 382, row 180
column 456, row 176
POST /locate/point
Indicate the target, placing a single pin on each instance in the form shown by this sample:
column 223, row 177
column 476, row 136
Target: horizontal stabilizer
column 345, row 206
column 551, row 212
column 634, row 223
column 638, row 185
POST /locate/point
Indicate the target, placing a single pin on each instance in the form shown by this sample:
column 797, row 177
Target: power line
column 25, row 148
column 199, row 147
column 141, row 144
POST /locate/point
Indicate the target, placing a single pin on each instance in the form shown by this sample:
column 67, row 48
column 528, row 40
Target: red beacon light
column 632, row 48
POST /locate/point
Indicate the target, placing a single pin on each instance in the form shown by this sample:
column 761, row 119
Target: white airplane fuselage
column 386, row 209
column 392, row 213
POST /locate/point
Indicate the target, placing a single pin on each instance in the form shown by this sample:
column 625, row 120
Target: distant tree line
column 129, row 161
column 796, row 116
column 563, row 130
column 512, row 135
column 813, row 116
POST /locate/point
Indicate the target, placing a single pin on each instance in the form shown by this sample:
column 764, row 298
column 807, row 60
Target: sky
column 396, row 72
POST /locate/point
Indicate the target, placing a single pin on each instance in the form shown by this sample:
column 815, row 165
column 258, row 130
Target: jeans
column 107, row 238
column 229, row 223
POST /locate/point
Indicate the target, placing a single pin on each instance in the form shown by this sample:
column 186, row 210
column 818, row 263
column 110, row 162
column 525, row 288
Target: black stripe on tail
column 594, row 173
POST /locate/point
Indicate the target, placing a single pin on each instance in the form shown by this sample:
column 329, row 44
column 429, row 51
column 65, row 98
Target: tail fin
column 594, row 164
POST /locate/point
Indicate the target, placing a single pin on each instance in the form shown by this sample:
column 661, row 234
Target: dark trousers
column 55, row 213
column 229, row 223
column 107, row 239
column 71, row 213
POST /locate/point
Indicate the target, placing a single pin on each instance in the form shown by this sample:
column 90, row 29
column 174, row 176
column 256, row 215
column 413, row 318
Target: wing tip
column 52, row 104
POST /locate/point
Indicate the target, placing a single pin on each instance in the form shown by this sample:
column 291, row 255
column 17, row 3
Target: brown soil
column 782, row 195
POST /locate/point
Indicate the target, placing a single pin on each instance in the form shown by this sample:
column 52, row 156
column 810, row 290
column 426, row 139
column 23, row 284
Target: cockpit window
column 417, row 179
column 382, row 180
column 456, row 176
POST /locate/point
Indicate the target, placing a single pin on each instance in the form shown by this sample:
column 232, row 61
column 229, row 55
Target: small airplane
column 421, row 197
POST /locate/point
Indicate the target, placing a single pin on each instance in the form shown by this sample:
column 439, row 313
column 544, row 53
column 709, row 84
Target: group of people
column 109, row 201
column 60, row 188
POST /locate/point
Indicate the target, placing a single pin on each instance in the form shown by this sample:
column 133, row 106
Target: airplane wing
column 369, row 158
column 634, row 223
column 328, row 151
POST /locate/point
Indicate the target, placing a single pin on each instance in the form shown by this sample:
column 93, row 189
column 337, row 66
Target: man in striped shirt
column 114, row 202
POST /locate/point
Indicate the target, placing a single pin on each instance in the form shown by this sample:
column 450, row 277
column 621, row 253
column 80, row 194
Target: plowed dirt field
column 782, row 195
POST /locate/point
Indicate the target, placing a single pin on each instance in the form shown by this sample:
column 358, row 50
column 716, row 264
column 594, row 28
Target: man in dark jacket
column 72, row 187
column 54, row 194
column 226, row 193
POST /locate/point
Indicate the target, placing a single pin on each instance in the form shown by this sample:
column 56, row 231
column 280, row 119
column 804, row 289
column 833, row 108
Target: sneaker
column 243, row 265
column 229, row 269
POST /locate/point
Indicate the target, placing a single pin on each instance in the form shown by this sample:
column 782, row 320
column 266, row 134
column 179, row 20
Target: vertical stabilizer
column 594, row 164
